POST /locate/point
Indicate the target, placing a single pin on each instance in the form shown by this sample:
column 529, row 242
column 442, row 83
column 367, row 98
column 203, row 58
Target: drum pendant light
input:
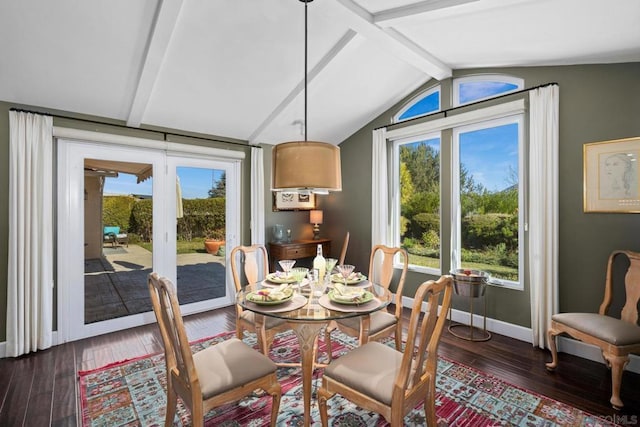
column 310, row 166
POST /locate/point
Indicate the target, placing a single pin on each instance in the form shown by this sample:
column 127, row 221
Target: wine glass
column 330, row 264
column 299, row 273
column 287, row 265
column 346, row 270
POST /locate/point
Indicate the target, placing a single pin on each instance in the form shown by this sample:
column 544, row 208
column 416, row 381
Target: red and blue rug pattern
column 132, row 393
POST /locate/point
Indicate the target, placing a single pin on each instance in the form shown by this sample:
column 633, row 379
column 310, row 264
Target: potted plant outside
column 214, row 241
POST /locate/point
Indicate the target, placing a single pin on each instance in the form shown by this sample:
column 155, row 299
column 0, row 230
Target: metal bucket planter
column 469, row 283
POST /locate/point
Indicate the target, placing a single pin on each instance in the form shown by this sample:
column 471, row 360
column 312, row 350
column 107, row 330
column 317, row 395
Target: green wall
column 106, row 126
column 597, row 103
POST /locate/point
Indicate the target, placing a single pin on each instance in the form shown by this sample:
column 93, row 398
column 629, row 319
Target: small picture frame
column 611, row 180
column 293, row 201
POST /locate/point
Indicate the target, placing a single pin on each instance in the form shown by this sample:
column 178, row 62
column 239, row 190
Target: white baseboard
column 3, row 344
column 565, row 344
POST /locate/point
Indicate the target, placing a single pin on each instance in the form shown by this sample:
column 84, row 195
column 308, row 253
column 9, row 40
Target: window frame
column 456, row 213
column 457, row 82
column 395, row 206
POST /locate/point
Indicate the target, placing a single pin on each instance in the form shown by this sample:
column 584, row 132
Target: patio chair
column 390, row 381
column 113, row 235
column 220, row 374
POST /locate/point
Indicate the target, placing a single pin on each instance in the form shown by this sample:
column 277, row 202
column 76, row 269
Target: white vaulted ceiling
column 234, row 68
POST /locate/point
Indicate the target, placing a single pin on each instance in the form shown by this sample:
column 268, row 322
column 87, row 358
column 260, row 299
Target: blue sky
column 490, row 155
column 195, row 183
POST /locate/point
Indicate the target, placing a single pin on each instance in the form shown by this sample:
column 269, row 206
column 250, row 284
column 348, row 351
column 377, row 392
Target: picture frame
column 611, row 179
column 293, row 201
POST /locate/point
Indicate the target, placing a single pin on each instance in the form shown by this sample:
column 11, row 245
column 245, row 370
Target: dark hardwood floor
column 40, row 389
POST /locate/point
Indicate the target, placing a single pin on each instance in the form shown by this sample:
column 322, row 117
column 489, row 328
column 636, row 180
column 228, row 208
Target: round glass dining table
column 307, row 314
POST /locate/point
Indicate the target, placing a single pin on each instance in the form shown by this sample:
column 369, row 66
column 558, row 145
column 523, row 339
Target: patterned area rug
column 132, row 393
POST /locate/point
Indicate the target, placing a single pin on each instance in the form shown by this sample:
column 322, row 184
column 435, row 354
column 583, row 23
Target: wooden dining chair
column 255, row 264
column 616, row 338
column 220, row 374
column 343, row 252
column 392, row 382
column 381, row 323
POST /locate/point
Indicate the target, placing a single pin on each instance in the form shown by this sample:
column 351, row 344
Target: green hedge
column 202, row 217
column 478, row 231
column 116, row 211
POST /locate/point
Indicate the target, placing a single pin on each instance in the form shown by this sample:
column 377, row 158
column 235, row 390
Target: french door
column 125, row 211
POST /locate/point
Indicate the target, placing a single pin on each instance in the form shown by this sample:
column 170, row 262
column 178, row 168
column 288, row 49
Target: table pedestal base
column 307, row 334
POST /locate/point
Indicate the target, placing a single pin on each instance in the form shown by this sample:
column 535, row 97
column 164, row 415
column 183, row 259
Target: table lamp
column 315, row 218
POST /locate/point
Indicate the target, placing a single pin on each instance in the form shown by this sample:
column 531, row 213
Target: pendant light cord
column 305, row 68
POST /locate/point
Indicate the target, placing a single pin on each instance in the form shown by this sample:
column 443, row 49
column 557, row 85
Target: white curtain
column 380, row 230
column 543, row 211
column 30, row 269
column 257, row 196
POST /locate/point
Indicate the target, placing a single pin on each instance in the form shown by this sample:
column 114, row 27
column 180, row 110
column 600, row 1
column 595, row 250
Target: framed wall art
column 611, row 181
column 293, row 201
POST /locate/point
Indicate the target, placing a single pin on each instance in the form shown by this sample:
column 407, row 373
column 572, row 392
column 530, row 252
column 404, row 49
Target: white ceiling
column 235, row 68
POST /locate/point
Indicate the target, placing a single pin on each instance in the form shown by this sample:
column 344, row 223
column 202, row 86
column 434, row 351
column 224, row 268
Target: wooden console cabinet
column 297, row 249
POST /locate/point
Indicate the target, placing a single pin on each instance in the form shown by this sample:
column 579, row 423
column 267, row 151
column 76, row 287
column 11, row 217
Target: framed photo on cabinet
column 293, row 201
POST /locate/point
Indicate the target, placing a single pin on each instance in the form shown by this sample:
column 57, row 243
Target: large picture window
column 460, row 187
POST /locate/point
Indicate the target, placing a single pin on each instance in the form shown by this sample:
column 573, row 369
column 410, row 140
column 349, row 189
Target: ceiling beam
column 163, row 26
column 390, row 16
column 362, row 21
column 312, row 74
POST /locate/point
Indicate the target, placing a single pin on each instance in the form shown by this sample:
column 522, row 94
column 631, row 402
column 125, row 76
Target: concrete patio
column 116, row 284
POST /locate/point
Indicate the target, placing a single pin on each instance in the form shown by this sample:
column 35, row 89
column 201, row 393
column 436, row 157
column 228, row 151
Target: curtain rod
column 467, row 105
column 20, row 110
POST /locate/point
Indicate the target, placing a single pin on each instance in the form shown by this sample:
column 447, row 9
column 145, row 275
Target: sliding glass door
column 125, row 212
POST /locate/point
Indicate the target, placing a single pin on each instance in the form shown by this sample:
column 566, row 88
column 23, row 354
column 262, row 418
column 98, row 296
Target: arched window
column 424, row 103
column 475, row 88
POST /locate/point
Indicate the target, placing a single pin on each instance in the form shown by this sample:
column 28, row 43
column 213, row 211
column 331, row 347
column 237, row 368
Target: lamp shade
column 306, row 165
column 315, row 217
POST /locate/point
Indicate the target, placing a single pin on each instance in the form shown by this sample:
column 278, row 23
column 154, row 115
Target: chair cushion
column 111, row 229
column 270, row 322
column 606, row 328
column 228, row 365
column 378, row 321
column 370, row 369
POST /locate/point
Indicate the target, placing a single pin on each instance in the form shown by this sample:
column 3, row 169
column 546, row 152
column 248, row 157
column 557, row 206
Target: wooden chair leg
column 323, row 396
column 276, row 394
column 551, row 334
column 430, row 405
column 197, row 414
column 327, row 339
column 172, row 404
column 239, row 331
column 617, row 364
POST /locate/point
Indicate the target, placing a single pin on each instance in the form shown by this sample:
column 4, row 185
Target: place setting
column 276, row 299
column 348, row 277
column 348, row 298
column 289, row 275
